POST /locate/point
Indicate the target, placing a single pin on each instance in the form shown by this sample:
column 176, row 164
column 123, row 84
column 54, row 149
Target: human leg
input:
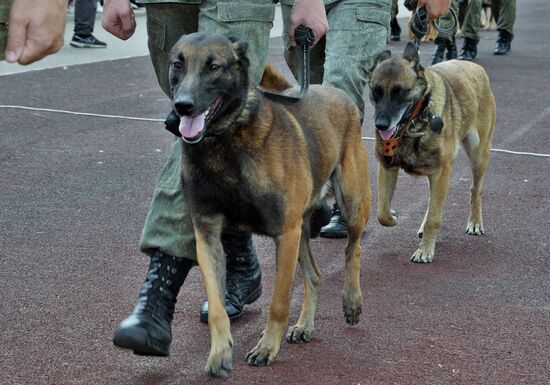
column 395, row 29
column 505, row 14
column 84, row 20
column 470, row 30
column 168, row 235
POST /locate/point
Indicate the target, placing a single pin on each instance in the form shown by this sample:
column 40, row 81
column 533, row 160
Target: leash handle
column 303, row 36
column 419, row 26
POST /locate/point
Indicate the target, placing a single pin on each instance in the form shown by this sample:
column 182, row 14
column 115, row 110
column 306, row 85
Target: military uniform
column 504, row 12
column 4, row 16
column 358, row 30
column 472, row 20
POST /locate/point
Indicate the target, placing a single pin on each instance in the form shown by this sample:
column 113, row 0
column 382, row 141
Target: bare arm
column 118, row 18
column 310, row 13
column 36, row 29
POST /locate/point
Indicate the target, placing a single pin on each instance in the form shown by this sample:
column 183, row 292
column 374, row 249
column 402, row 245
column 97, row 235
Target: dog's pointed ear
column 411, row 54
column 378, row 59
column 382, row 56
column 239, row 46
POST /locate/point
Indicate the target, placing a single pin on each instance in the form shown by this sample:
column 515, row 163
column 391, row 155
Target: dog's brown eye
column 178, row 65
column 214, row 67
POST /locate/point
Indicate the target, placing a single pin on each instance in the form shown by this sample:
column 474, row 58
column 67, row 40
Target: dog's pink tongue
column 190, row 127
column 387, row 134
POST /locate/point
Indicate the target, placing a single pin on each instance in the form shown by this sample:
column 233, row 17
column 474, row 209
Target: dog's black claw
column 172, row 123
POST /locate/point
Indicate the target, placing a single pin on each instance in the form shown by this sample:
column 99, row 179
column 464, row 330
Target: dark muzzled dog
column 254, row 165
column 422, row 115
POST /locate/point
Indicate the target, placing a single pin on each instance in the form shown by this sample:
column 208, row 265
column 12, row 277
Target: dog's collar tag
column 389, row 147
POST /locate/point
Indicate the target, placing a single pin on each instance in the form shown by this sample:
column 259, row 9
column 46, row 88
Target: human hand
column 435, row 8
column 118, row 18
column 36, row 29
column 309, row 13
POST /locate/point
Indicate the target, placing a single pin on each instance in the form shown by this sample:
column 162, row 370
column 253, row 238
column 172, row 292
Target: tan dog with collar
column 251, row 164
column 422, row 115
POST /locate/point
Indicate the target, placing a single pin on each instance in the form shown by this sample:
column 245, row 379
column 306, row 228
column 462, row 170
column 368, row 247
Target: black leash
column 304, row 38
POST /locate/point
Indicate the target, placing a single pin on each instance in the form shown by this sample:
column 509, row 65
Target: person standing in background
column 505, row 15
column 84, row 20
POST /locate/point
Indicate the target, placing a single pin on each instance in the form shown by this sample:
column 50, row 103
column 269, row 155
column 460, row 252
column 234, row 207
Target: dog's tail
column 272, row 80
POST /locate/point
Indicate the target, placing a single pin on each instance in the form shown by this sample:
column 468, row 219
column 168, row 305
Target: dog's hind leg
column 265, row 351
column 478, row 153
column 303, row 329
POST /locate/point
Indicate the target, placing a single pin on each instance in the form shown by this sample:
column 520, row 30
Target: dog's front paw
column 388, row 219
column 474, row 228
column 423, row 255
column 299, row 333
column 262, row 354
column 220, row 361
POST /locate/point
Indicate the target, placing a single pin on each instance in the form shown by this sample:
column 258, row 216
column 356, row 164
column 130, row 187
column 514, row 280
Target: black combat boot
column 147, row 330
column 469, row 49
column 451, row 49
column 504, row 42
column 243, row 276
column 439, row 54
column 337, row 227
column 395, row 33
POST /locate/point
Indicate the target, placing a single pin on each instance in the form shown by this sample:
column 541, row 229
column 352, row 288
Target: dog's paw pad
column 298, row 334
column 475, row 229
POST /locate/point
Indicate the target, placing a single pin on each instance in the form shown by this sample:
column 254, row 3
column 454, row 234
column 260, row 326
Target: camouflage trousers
column 168, row 225
column 4, row 15
column 504, row 12
column 358, row 30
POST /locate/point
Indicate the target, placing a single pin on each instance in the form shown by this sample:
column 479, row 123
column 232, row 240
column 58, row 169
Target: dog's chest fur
column 419, row 156
column 218, row 180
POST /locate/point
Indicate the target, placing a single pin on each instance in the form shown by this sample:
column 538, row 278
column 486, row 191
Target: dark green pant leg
column 472, row 20
column 4, row 17
column 168, row 225
column 505, row 14
column 166, row 23
column 358, row 30
column 394, row 8
column 249, row 20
